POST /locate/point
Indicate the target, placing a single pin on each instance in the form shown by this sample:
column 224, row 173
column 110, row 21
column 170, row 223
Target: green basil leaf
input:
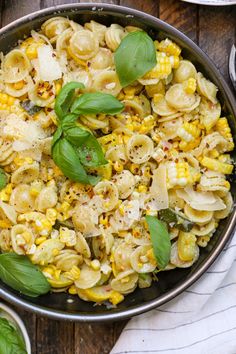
column 98, row 102
column 172, row 217
column 57, row 135
column 91, row 154
column 3, row 179
column 67, row 159
column 75, row 135
column 69, row 119
column 93, row 180
column 21, row 274
column 65, row 98
column 135, row 56
column 160, row 240
column 11, row 342
column 30, row 107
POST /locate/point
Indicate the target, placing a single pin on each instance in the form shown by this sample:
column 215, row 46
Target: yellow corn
column 40, row 240
column 178, row 174
column 5, row 224
column 31, row 46
column 169, row 47
column 5, row 193
column 214, row 154
column 190, row 85
column 142, row 188
column 134, row 168
column 55, row 252
column 216, row 165
column 129, row 92
column 19, row 161
column 222, row 126
column 187, row 146
column 6, row 100
column 186, row 246
column 51, row 215
column 72, row 290
column 202, row 241
column 103, row 220
column 95, row 264
column 118, row 167
column 73, row 274
column 162, row 69
column 116, row 298
column 121, row 209
column 44, row 90
column 58, row 86
column 147, row 125
column 189, row 132
column 67, row 236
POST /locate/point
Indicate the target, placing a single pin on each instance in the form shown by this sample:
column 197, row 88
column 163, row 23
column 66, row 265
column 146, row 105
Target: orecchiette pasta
column 167, row 157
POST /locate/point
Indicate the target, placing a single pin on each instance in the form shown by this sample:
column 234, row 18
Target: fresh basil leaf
column 65, row 98
column 30, row 107
column 172, row 217
column 135, row 56
column 98, row 102
column 21, row 274
column 93, row 180
column 67, row 159
column 75, row 135
column 91, row 154
column 3, row 179
column 11, row 342
column 160, row 240
column 57, row 135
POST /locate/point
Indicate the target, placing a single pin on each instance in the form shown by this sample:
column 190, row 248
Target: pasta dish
column 114, row 158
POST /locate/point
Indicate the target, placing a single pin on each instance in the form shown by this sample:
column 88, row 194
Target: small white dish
column 12, row 316
column 212, row 2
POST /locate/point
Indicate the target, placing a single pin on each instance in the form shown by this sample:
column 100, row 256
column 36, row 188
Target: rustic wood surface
column 213, row 28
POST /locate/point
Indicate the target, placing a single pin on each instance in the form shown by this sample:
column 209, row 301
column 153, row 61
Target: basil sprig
column 135, row 56
column 10, row 339
column 160, row 240
column 74, row 147
column 98, row 102
column 65, row 98
column 21, row 274
column 3, row 179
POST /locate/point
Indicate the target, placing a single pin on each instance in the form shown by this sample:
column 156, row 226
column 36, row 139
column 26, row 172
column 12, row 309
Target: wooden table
column 213, row 29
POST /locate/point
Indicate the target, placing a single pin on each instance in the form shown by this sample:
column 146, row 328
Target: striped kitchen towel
column 202, row 320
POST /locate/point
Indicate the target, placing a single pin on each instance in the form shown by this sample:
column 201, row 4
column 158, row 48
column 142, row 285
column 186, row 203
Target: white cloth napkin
column 202, row 320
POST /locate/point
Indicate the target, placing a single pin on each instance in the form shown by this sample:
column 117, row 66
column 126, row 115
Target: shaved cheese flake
column 158, row 188
column 49, row 68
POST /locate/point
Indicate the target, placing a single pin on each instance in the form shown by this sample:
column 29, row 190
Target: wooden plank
column 13, row 9
column 149, row 6
column 217, row 34
column 93, row 339
column 181, row 15
column 54, row 337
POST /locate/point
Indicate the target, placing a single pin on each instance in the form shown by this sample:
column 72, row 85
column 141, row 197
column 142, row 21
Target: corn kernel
column 5, row 224
column 95, row 264
column 51, row 215
column 142, row 188
column 118, row 167
column 72, row 290
column 103, row 220
column 116, row 298
column 55, row 252
column 19, row 85
column 40, row 240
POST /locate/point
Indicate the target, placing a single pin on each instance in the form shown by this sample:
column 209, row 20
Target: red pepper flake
column 88, row 157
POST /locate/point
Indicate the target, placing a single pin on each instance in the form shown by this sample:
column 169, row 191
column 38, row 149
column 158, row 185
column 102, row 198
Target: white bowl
column 12, row 316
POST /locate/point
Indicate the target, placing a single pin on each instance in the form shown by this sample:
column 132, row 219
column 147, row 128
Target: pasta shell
column 22, row 239
column 21, row 198
column 7, row 212
column 36, row 96
column 125, row 183
column 177, row 97
column 125, row 282
column 228, row 201
column 114, row 36
column 26, row 173
column 102, row 60
column 47, row 198
column 122, row 256
column 107, row 81
column 27, row 85
column 185, row 71
column 82, row 246
column 16, row 66
column 198, row 216
column 162, row 108
column 55, row 26
column 83, row 45
column 44, row 253
column 84, row 219
column 140, row 262
column 5, row 240
column 88, row 277
column 207, row 88
column 66, row 260
column 117, row 154
column 98, row 30
column 203, row 230
column 108, row 193
column 139, row 148
column 210, row 113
